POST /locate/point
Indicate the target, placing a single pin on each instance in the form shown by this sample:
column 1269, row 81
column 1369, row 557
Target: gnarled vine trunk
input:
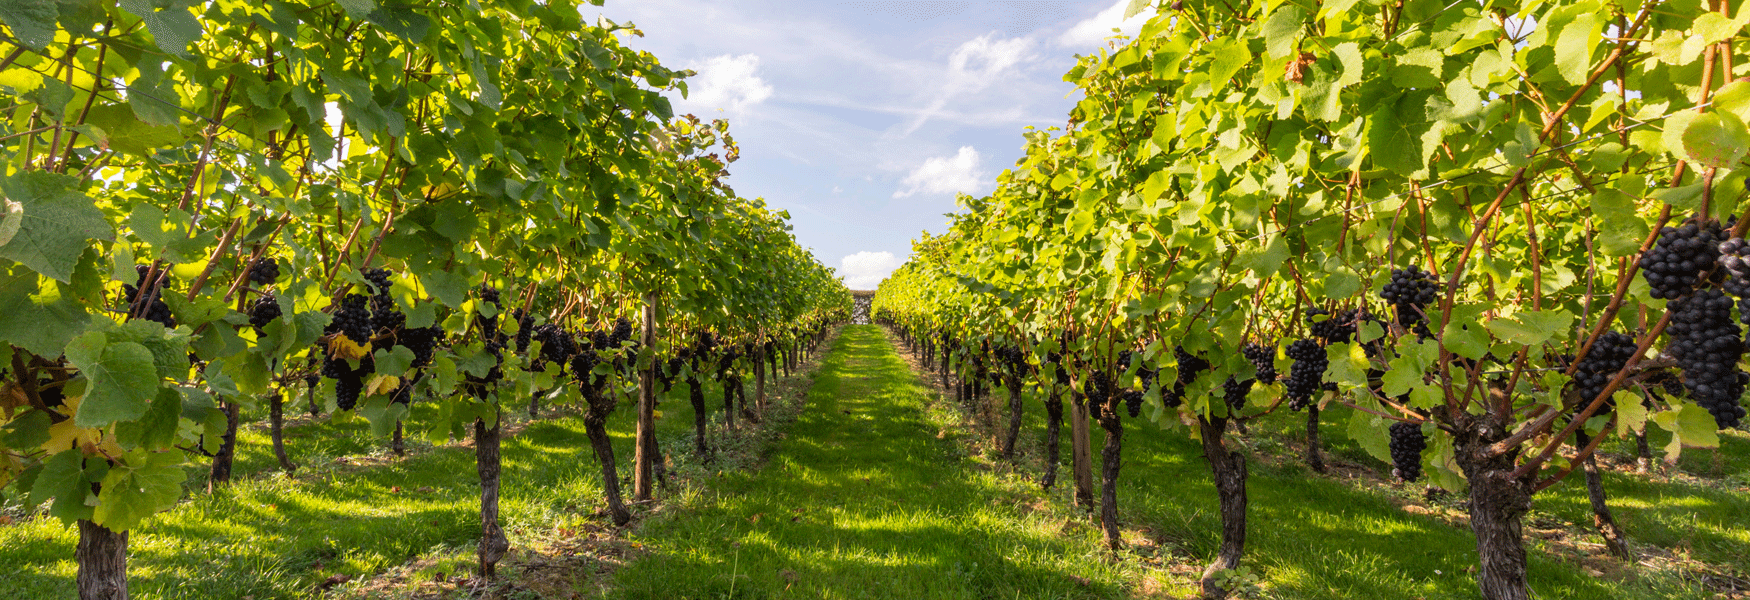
column 226, row 456
column 1080, row 452
column 1498, row 502
column 277, row 423
column 103, row 562
column 493, row 543
column 1314, row 447
column 1228, row 468
column 1614, row 540
column 759, row 379
column 696, row 394
column 1014, row 383
column 644, row 451
column 1053, row 427
column 595, row 426
column 1110, row 457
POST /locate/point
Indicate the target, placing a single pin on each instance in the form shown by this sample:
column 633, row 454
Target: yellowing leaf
column 382, row 384
column 343, row 347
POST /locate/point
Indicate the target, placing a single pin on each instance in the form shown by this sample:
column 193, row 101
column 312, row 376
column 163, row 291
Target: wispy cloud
column 865, row 270
column 729, row 83
column 974, row 66
column 1093, row 31
column 944, row 175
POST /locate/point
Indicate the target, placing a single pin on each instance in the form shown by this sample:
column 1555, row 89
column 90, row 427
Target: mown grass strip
column 862, row 500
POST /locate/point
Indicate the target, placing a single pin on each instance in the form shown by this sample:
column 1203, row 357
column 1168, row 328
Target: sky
column 864, row 119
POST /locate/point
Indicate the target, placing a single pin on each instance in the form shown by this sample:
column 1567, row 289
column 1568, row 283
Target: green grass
column 870, row 494
column 270, row 536
column 1315, row 537
column 1703, row 518
column 862, row 500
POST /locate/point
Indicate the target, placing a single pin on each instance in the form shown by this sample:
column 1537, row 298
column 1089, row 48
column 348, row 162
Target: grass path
column 267, row 536
column 863, row 500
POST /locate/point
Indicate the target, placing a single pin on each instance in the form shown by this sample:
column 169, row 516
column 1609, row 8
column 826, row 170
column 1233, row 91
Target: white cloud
column 865, row 270
column 944, row 175
column 1094, row 31
column 726, row 82
column 975, row 65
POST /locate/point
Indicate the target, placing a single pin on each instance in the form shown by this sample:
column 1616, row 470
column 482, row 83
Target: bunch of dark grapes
column 1706, row 343
column 422, row 341
column 264, row 311
column 1305, row 377
column 1235, row 390
column 348, row 381
column 727, row 361
column 1263, row 358
column 1097, row 388
column 378, row 281
column 1056, row 361
column 1407, row 443
column 1410, row 292
column 1607, row 356
column 557, row 344
column 1013, row 359
column 1334, row 328
column 622, row 332
column 489, row 325
column 156, row 310
column 583, row 363
column 1735, row 258
column 671, row 370
column 1189, row 366
column 352, row 319
column 265, row 272
column 1674, row 264
column 524, row 333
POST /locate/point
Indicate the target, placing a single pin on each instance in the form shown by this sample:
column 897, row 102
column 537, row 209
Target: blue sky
column 863, row 119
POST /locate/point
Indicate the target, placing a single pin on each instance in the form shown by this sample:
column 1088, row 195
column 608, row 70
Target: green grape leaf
column 249, row 373
column 28, row 430
column 1623, row 237
column 1369, row 431
column 64, row 480
column 56, row 222
column 123, row 376
column 395, row 362
column 32, row 21
column 37, row 314
column 1530, row 328
column 401, row 21
column 1716, row 139
column 158, row 428
column 358, row 9
column 127, row 133
column 1631, row 415
column 1575, row 45
column 148, row 482
column 172, row 26
column 1690, row 426
column 1466, row 337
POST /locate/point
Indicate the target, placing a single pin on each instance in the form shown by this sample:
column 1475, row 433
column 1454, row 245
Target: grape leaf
column 123, row 379
column 32, row 21
column 172, row 26
column 37, row 314
column 158, row 428
column 1574, row 47
column 63, row 479
column 147, row 482
column 56, row 222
